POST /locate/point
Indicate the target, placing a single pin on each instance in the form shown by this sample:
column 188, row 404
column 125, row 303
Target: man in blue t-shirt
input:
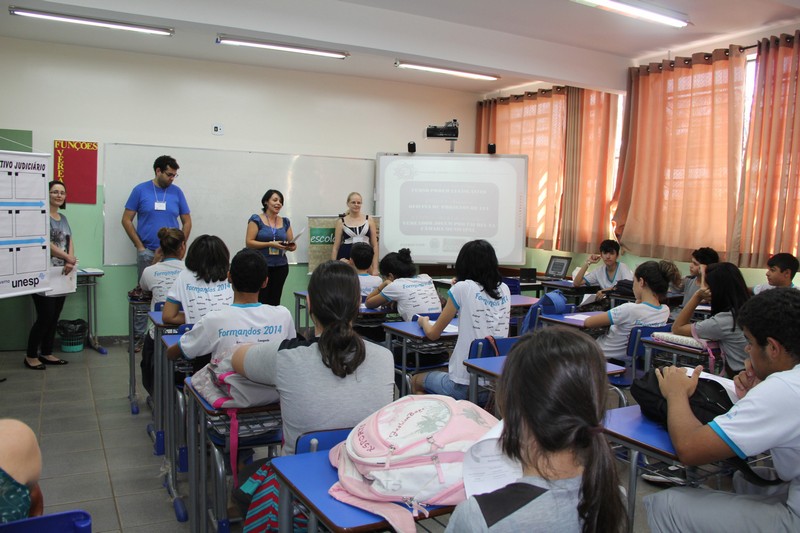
column 157, row 204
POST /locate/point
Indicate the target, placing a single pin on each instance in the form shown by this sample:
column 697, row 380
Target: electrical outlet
column 216, row 129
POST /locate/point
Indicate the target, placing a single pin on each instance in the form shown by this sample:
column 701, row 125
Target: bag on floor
column 551, row 303
column 410, row 452
column 709, row 400
column 262, row 514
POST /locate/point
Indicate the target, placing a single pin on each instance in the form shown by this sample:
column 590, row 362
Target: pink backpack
column 410, row 451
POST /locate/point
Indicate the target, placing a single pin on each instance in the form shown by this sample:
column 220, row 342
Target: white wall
column 66, row 92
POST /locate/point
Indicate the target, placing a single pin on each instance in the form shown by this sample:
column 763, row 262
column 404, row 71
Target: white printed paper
column 60, row 283
column 486, row 467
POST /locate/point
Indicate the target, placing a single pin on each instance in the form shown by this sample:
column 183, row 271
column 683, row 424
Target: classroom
column 130, row 90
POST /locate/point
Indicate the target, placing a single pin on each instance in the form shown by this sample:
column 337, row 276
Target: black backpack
column 709, row 400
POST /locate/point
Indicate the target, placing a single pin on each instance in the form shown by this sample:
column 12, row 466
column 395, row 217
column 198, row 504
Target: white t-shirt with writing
column 413, row 295
column 158, row 279
column 198, row 297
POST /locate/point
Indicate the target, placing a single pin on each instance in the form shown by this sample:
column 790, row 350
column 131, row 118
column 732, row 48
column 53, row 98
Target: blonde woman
column 352, row 227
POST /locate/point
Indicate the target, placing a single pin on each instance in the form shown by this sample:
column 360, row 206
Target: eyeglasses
column 58, row 193
column 171, row 174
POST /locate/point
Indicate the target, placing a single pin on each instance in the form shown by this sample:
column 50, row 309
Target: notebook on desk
column 557, row 268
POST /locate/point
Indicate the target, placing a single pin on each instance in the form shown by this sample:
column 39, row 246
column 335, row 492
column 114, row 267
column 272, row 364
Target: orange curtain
column 588, row 179
column 768, row 211
column 680, row 159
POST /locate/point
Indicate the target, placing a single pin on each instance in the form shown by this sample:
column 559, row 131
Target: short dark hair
column 774, row 313
column 268, row 195
column 552, row 395
column 208, row 258
column 58, row 182
column 162, row 162
column 334, row 296
column 784, row 261
column 706, row 256
column 477, row 261
column 362, row 254
column 608, row 246
column 248, row 270
column 170, row 240
column 398, row 264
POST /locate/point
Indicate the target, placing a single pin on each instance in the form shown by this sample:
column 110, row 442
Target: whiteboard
column 224, row 188
column 435, row 203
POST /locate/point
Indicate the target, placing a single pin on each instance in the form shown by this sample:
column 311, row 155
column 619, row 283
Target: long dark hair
column 552, row 395
column 728, row 289
column 334, row 295
column 208, row 258
column 656, row 275
column 478, row 262
column 398, row 264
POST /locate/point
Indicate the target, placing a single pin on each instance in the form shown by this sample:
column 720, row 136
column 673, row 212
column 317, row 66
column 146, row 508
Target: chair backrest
column 158, row 306
column 183, row 328
column 432, row 316
column 316, row 441
column 483, row 347
column 513, row 285
column 635, row 347
column 65, row 522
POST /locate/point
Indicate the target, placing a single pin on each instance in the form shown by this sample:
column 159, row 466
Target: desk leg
column 285, row 520
column 158, row 396
column 191, row 438
column 403, row 389
column 473, row 388
column 132, row 311
column 648, row 358
column 633, row 478
column 91, row 307
column 202, row 471
column 170, row 455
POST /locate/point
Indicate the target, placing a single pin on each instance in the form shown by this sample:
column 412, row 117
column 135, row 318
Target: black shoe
column 40, row 366
column 56, row 362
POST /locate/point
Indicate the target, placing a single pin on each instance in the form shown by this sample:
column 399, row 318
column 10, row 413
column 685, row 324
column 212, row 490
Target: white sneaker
column 667, row 476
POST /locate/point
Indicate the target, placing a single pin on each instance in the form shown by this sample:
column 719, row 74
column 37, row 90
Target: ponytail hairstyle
column 398, row 264
column 552, row 397
column 208, row 258
column 334, row 295
column 171, row 240
column 728, row 289
column 656, row 276
column 478, row 262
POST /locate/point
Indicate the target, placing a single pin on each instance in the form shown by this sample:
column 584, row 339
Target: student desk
column 652, row 345
column 161, row 394
column 87, row 277
column 410, row 334
column 524, row 286
column 673, row 299
column 135, row 308
column 170, row 468
column 254, row 423
column 308, row 477
column 569, row 290
column 492, row 368
column 567, row 319
column 364, row 313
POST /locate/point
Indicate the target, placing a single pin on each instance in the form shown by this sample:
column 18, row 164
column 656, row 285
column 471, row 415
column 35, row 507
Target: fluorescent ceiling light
column 281, row 47
column 640, row 10
column 449, row 71
column 86, row 21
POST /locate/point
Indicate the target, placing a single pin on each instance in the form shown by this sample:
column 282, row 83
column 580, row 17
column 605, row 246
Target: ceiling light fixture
column 281, row 47
column 438, row 70
column 640, row 10
column 87, row 21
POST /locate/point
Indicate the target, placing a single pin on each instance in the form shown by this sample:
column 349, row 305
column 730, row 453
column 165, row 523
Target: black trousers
column 271, row 294
column 43, row 331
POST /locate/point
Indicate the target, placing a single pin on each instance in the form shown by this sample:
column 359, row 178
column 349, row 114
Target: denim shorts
column 440, row 383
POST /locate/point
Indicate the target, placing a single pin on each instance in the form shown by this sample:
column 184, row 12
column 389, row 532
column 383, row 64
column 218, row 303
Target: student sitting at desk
column 650, row 284
column 701, row 257
column 724, row 286
column 244, row 321
column 483, row 304
column 781, row 269
column 552, row 397
column 361, row 256
column 607, row 276
column 203, row 286
column 158, row 279
column 332, row 381
column 765, row 419
column 413, row 293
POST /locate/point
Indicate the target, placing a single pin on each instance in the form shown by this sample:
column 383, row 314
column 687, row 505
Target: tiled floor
column 97, row 455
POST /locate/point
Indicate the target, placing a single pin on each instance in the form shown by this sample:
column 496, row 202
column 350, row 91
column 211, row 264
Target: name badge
column 275, row 251
column 160, row 206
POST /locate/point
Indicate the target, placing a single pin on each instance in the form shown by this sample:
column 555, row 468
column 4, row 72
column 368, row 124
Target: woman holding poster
column 48, row 308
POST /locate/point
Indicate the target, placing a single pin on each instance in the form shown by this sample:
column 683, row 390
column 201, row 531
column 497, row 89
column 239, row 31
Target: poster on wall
column 24, row 224
column 76, row 166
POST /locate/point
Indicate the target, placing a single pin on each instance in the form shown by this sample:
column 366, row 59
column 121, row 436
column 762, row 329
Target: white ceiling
column 521, row 40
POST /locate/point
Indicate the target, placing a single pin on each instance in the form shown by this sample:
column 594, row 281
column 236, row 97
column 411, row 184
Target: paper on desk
column 579, row 316
column 449, row 328
column 486, row 467
column 59, row 283
column 92, row 271
column 730, row 388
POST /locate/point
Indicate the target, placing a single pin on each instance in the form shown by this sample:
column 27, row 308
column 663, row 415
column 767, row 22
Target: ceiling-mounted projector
column 449, row 131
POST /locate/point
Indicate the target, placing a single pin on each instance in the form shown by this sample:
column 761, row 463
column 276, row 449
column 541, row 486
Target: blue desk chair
column 185, row 369
column 635, row 350
column 417, row 349
column 317, row 441
column 513, row 285
column 483, row 347
column 66, row 522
